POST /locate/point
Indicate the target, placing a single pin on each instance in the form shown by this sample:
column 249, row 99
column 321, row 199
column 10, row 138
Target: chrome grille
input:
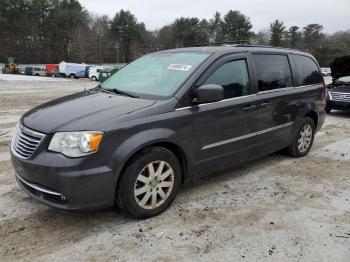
column 342, row 97
column 25, row 141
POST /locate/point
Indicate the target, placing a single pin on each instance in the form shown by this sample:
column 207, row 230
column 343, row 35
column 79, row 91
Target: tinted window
column 273, row 71
column 233, row 77
column 307, row 71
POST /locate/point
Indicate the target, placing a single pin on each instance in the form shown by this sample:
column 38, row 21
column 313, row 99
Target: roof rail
column 269, row 46
column 243, row 43
column 238, row 42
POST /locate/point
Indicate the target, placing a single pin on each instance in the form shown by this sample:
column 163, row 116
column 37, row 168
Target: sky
column 334, row 15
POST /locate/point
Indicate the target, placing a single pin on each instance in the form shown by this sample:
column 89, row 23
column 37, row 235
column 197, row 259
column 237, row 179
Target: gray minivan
column 167, row 118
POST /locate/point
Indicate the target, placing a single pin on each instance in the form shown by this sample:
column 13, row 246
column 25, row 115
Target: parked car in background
column 94, row 72
column 73, row 70
column 339, row 90
column 34, row 71
column 28, row 70
column 106, row 73
column 39, row 71
column 21, row 70
column 50, row 68
column 326, row 71
column 55, row 73
column 167, row 118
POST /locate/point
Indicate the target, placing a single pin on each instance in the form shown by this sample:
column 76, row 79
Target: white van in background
column 39, row 71
column 72, row 70
column 94, row 72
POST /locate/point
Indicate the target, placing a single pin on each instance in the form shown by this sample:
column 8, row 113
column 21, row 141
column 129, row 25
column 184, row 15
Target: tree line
column 50, row 31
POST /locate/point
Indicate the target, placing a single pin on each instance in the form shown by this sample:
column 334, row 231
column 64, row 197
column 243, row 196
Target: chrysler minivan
column 167, row 118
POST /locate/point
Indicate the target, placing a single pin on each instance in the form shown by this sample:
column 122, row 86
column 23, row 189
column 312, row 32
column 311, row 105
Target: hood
column 81, row 111
column 340, row 67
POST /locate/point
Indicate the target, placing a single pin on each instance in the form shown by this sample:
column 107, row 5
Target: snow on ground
column 273, row 209
column 339, row 150
column 8, row 77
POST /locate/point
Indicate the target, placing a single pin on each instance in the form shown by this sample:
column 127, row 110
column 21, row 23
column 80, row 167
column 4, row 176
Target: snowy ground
column 273, row 209
column 9, row 77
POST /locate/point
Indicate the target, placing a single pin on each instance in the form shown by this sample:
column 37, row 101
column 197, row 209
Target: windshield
column 157, row 75
column 345, row 79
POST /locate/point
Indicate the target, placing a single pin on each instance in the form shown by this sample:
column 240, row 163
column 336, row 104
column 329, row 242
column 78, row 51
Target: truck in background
column 73, row 70
column 11, row 66
column 50, row 69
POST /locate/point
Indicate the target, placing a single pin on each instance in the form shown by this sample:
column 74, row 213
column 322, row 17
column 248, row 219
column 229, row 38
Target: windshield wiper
column 117, row 91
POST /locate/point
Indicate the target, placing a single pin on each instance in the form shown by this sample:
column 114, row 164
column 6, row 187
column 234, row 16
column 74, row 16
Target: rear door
column 276, row 94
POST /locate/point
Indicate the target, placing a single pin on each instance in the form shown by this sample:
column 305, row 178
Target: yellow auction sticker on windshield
column 179, row 67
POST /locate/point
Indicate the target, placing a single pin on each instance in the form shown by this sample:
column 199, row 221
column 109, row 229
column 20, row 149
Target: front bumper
column 339, row 105
column 65, row 183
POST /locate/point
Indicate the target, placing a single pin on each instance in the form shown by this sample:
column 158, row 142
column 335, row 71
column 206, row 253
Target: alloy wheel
column 154, row 184
column 305, row 138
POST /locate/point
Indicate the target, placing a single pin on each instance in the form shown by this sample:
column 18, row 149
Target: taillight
column 324, row 95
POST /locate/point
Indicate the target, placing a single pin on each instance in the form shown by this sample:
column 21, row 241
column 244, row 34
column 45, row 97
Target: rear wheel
column 93, row 78
column 303, row 139
column 72, row 76
column 149, row 183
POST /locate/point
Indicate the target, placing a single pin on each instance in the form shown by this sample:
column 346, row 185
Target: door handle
column 265, row 103
column 249, row 107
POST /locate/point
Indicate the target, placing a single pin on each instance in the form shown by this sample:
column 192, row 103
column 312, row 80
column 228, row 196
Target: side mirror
column 209, row 93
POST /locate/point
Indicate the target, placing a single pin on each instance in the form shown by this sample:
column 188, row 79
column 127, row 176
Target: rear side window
column 273, row 71
column 233, row 77
column 307, row 71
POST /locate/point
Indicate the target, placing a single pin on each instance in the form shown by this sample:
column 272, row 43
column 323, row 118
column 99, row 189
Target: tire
column 301, row 146
column 53, row 75
column 93, row 78
column 328, row 110
column 143, row 204
column 72, row 76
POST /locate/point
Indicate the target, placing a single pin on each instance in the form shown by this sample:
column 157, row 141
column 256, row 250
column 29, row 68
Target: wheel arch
column 145, row 139
column 314, row 116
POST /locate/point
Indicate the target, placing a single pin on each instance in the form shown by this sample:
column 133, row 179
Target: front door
column 225, row 131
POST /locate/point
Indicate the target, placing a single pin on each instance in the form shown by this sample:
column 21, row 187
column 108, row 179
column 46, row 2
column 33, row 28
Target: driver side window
column 233, row 77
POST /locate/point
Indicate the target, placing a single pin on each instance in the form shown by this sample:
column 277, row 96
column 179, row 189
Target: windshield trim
column 156, row 97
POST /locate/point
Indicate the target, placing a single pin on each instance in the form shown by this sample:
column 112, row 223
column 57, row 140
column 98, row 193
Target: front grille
column 25, row 141
column 341, row 97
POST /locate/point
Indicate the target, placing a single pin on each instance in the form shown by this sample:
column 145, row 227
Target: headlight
column 76, row 144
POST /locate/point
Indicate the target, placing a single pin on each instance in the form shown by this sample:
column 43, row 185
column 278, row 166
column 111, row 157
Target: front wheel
column 149, row 183
column 303, row 139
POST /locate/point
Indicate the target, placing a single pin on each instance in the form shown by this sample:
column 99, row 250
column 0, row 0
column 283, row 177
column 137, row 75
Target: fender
column 141, row 140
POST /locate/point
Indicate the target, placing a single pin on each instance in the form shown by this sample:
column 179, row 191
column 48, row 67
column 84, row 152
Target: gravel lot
column 273, row 209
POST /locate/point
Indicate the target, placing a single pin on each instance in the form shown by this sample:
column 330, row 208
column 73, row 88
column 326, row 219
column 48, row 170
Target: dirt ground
column 273, row 209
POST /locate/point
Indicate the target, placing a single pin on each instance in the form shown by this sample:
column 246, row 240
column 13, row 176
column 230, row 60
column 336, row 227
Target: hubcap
column 154, row 184
column 305, row 138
